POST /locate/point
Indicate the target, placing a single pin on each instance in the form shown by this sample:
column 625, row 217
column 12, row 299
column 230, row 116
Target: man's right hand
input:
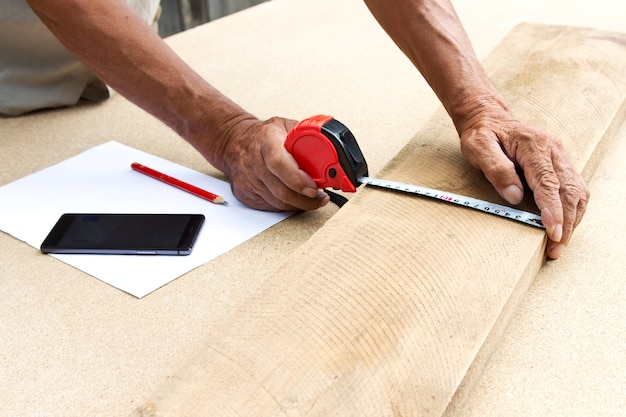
column 263, row 174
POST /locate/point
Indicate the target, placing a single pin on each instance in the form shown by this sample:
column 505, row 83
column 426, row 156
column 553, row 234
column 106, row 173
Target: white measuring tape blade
column 473, row 203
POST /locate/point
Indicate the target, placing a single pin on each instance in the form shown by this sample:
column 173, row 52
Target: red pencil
column 192, row 189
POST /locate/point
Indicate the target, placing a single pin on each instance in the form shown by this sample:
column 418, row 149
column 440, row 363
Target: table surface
column 71, row 345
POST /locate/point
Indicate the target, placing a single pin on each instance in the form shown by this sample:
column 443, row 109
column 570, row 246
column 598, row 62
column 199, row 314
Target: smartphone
column 124, row 234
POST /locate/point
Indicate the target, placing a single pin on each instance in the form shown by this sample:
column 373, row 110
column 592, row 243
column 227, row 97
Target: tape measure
column 326, row 150
column 460, row 200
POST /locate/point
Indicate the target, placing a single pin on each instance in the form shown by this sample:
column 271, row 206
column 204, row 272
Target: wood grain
column 394, row 305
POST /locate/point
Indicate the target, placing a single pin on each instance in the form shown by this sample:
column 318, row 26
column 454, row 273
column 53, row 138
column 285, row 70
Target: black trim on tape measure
column 337, row 199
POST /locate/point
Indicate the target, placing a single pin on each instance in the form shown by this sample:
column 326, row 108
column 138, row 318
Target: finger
column 538, row 157
column 285, row 169
column 256, row 201
column 254, row 194
column 554, row 247
column 574, row 198
column 280, row 195
column 487, row 155
column 545, row 185
column 286, row 181
column 574, row 194
column 260, row 189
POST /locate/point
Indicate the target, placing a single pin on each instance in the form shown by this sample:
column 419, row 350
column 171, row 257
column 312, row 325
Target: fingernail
column 555, row 230
column 557, row 234
column 513, row 194
column 325, row 198
column 556, row 251
column 311, row 192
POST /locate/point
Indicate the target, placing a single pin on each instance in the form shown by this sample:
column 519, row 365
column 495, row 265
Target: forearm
column 123, row 51
column 432, row 37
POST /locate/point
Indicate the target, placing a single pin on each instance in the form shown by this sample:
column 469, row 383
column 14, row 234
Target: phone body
column 124, row 234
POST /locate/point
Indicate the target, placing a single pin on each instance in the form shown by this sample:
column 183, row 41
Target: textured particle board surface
column 403, row 316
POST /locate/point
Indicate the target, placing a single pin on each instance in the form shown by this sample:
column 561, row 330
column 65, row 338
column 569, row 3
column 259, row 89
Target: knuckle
column 499, row 169
column 540, row 174
column 282, row 193
column 473, row 143
column 571, row 195
column 271, row 158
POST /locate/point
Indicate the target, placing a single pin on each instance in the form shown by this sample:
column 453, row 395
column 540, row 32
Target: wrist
column 219, row 146
column 469, row 108
column 208, row 120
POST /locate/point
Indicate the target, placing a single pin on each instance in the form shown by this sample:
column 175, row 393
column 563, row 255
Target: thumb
column 488, row 156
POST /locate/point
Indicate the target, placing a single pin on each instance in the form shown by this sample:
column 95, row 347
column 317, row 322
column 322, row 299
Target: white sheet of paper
column 100, row 180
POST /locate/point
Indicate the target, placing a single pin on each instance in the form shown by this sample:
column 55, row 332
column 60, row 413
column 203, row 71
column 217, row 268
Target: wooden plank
column 393, row 306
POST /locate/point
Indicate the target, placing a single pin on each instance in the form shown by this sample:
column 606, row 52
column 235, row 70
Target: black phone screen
column 128, row 234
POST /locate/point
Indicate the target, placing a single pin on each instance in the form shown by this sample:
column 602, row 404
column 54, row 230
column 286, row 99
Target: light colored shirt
column 36, row 70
